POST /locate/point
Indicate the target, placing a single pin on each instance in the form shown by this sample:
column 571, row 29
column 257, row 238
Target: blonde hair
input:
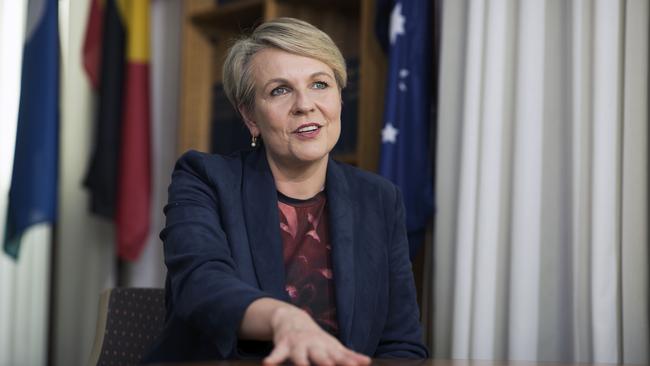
column 287, row 34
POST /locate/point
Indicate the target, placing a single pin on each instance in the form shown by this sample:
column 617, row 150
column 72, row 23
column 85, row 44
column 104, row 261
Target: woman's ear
column 248, row 120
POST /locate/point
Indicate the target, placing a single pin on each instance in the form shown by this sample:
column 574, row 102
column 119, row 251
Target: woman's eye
column 320, row 85
column 279, row 91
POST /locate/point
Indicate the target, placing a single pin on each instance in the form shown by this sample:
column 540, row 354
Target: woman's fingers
column 279, row 354
column 360, row 358
column 299, row 355
column 314, row 350
column 343, row 358
column 321, row 357
column 350, row 358
column 300, row 340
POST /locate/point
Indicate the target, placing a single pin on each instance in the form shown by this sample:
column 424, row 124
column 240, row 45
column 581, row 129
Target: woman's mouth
column 308, row 130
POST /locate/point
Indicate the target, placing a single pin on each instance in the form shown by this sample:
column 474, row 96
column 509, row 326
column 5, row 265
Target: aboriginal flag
column 116, row 58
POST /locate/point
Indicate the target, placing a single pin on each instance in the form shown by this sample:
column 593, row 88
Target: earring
column 253, row 141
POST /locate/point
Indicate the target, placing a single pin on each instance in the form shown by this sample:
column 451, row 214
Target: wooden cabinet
column 209, row 27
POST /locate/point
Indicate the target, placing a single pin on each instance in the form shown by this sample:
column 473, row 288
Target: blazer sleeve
column 206, row 290
column 402, row 334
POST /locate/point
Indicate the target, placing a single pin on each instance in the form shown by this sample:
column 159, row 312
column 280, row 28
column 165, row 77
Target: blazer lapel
column 263, row 224
column 342, row 237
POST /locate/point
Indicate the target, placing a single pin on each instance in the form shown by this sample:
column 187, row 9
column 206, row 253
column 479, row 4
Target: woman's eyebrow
column 322, row 73
column 276, row 80
column 286, row 81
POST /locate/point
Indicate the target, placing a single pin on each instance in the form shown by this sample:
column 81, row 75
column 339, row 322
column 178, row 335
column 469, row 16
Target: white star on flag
column 397, row 21
column 389, row 133
column 403, row 73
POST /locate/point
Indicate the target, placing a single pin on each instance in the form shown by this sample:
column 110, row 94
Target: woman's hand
column 296, row 336
column 299, row 339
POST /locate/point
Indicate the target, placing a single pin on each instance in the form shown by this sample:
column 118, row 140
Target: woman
column 280, row 251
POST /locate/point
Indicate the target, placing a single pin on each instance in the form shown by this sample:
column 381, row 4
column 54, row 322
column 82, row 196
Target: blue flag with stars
column 405, row 155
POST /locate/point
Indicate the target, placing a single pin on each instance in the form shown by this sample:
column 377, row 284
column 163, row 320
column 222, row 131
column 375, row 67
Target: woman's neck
column 299, row 181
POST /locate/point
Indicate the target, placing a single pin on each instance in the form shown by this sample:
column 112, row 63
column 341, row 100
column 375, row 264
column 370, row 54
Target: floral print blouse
column 307, row 257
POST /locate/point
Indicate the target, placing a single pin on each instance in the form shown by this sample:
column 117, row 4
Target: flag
column 92, row 47
column 119, row 174
column 405, row 154
column 34, row 180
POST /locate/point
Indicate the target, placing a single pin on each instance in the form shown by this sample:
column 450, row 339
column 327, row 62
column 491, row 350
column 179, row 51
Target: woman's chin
column 313, row 157
column 312, row 154
column 303, row 154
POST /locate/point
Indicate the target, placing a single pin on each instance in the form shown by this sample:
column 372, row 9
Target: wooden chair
column 128, row 322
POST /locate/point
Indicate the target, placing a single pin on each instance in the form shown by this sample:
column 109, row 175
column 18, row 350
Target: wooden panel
column 349, row 8
column 340, row 22
column 226, row 38
column 372, row 85
column 196, row 76
column 231, row 17
column 347, row 158
column 271, row 11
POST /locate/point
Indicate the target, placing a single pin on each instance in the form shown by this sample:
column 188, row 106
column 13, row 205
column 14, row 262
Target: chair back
column 128, row 322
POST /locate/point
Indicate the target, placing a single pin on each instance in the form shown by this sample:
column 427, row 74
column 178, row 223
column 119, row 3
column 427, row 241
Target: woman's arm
column 402, row 334
column 295, row 335
column 206, row 290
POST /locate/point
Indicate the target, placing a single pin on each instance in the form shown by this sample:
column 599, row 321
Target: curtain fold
column 84, row 253
column 634, row 196
column 541, row 242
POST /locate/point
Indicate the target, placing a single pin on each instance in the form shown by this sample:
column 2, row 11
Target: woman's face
column 297, row 108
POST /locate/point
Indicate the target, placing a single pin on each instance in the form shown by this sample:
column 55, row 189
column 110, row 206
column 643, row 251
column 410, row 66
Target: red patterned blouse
column 307, row 257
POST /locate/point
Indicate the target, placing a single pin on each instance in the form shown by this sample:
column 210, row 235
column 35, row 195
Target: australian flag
column 405, row 154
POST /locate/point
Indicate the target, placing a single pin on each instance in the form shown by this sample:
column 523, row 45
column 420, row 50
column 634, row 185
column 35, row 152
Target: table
column 429, row 362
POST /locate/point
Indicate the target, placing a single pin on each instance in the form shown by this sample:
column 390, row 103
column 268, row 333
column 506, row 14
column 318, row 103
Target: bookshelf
column 210, row 25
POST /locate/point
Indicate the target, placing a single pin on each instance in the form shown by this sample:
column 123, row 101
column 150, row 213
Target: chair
column 128, row 322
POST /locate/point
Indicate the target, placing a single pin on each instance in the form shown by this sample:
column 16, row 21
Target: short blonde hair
column 286, row 34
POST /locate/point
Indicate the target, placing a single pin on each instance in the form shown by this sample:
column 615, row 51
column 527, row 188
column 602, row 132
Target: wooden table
column 428, row 362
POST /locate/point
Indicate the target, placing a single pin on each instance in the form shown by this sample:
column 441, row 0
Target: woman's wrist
column 258, row 319
column 289, row 317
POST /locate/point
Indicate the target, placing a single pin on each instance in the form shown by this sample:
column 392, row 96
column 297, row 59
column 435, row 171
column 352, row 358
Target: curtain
column 84, row 258
column 541, row 240
column 24, row 299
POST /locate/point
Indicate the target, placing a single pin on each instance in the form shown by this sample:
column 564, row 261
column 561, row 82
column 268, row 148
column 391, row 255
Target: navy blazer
column 223, row 250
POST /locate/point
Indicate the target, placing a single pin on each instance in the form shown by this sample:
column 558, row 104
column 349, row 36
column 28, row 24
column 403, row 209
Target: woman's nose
column 302, row 103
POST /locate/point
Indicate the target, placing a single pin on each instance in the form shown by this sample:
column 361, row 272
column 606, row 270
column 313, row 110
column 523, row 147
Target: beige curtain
column 541, row 240
column 84, row 245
